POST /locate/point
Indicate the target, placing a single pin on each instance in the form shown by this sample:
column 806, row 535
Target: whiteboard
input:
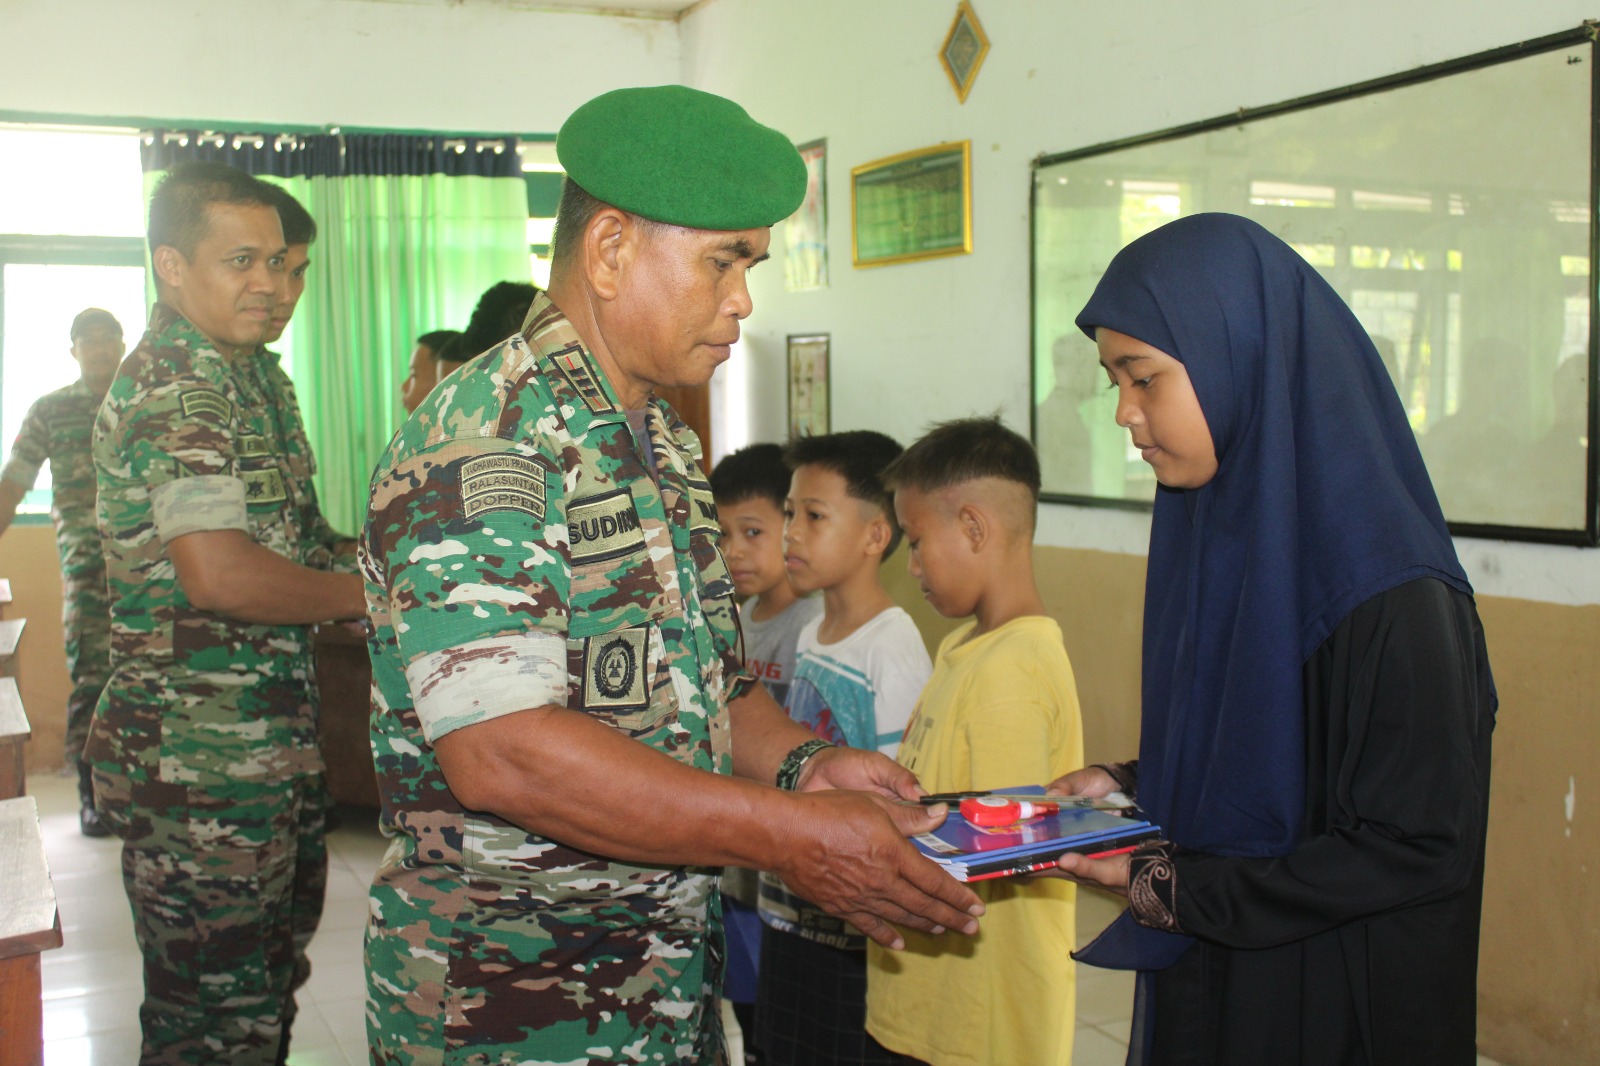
column 1450, row 207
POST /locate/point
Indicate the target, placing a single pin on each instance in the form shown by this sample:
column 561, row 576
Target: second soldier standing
column 204, row 743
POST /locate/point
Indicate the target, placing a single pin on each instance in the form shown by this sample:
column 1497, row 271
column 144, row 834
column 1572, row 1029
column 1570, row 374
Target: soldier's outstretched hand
column 850, row 857
column 858, row 768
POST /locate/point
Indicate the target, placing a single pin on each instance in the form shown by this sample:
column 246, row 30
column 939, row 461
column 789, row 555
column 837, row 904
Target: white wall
column 912, row 343
column 919, row 342
column 408, row 64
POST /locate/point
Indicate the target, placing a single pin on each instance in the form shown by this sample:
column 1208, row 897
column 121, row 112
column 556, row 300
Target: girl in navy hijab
column 1317, row 696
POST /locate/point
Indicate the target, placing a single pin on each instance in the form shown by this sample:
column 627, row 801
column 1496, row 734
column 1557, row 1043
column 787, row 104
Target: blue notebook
column 970, row 853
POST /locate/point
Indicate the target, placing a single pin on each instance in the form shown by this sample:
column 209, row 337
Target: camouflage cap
column 682, row 156
column 94, row 318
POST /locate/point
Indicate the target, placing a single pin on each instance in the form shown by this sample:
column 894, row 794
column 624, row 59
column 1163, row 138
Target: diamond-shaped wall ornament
column 964, row 48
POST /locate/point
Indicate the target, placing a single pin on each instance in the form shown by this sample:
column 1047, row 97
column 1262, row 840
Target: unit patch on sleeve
column 603, row 528
column 615, row 669
column 197, row 402
column 502, row 482
column 263, row 486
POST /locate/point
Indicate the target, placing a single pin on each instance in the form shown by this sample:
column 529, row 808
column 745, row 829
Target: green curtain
column 410, row 231
column 396, row 256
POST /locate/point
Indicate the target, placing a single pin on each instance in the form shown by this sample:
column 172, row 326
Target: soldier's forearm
column 563, row 775
column 226, row 572
column 762, row 735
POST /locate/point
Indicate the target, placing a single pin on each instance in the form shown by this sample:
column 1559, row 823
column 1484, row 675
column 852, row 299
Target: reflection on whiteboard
column 1452, row 214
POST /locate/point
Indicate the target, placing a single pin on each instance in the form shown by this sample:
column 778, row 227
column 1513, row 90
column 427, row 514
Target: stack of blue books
column 975, row 853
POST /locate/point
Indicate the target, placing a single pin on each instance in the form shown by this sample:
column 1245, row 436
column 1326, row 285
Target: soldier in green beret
column 204, row 743
column 57, row 430
column 567, row 743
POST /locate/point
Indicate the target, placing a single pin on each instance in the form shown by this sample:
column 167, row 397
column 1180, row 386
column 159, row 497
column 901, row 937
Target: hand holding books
column 971, row 851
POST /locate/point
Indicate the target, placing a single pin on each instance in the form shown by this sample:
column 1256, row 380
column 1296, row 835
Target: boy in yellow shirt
column 1000, row 710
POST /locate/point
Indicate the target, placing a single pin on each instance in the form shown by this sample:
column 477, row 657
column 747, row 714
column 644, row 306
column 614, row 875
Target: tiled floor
column 92, row 982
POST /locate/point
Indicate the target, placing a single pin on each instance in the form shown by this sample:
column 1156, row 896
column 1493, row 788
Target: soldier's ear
column 604, row 247
column 169, row 264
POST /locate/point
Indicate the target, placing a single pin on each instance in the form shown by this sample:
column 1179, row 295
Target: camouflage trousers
column 226, row 886
column 86, row 621
column 470, row 972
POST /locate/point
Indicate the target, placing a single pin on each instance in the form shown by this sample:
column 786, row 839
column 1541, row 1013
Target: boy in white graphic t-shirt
column 749, row 487
column 860, row 668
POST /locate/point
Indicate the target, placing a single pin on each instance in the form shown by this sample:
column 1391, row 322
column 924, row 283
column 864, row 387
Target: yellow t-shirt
column 1000, row 710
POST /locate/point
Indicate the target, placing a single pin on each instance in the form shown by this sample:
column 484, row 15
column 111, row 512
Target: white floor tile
column 1091, row 1047
column 116, row 1048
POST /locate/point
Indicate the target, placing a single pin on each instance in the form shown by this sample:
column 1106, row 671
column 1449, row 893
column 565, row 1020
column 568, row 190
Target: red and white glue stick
column 990, row 811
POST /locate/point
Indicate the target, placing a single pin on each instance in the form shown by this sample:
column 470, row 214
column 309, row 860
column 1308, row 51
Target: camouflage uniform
column 204, row 743
column 519, row 553
column 58, row 428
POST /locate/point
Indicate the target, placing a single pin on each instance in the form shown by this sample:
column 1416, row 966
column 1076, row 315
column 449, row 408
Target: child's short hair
column 859, row 456
column 965, row 450
column 754, row 472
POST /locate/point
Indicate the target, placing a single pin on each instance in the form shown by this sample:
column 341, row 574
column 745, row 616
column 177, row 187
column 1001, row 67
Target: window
column 71, row 237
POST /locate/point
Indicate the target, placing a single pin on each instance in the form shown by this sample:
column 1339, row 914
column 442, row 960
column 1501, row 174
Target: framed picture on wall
column 808, row 384
column 805, row 233
column 964, row 48
column 915, row 205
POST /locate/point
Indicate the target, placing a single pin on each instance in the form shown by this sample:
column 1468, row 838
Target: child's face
column 1157, row 405
column 752, row 545
column 943, row 555
column 827, row 532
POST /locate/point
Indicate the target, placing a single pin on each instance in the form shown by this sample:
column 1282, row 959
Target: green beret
column 682, row 156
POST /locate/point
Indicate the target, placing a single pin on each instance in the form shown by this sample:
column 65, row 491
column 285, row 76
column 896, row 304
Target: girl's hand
column 1091, row 781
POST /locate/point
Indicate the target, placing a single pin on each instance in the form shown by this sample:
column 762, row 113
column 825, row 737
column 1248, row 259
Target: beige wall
column 28, row 557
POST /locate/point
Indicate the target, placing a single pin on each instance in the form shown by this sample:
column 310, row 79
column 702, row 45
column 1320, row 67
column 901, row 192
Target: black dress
column 1361, row 945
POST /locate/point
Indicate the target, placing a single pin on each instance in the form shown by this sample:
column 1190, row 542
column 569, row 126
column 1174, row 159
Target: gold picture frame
column 963, row 51
column 911, row 206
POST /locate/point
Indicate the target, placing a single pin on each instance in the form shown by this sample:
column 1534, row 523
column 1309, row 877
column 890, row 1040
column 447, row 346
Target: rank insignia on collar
column 574, row 366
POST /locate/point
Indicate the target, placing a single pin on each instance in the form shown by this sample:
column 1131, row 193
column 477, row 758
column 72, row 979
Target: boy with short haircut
column 859, row 669
column 749, row 487
column 1000, row 710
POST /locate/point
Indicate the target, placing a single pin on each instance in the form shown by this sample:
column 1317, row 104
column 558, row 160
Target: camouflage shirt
column 190, row 442
column 58, row 428
column 519, row 553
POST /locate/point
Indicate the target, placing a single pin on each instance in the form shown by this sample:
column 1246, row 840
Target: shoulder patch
column 264, row 486
column 197, row 402
column 603, row 528
column 502, row 482
column 702, row 508
column 574, row 366
column 614, row 667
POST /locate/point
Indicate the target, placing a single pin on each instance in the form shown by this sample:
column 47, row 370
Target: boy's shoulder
column 802, row 610
column 891, row 632
column 1033, row 641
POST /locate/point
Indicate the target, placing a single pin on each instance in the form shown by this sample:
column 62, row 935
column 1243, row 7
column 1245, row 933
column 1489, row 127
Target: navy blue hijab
column 1319, row 503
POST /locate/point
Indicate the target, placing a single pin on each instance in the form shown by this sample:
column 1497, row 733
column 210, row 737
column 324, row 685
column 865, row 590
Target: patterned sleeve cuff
column 1153, row 888
column 198, row 505
column 486, row 679
column 1125, row 774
